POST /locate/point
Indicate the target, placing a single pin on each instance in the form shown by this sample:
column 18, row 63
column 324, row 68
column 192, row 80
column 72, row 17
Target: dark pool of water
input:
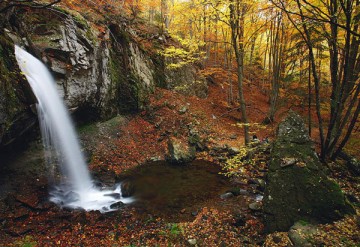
column 176, row 192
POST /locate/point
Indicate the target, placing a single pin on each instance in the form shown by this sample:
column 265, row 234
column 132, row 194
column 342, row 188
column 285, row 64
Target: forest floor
column 124, row 143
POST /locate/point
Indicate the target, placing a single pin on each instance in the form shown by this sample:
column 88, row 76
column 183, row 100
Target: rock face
column 179, row 152
column 100, row 72
column 16, row 116
column 89, row 66
column 297, row 187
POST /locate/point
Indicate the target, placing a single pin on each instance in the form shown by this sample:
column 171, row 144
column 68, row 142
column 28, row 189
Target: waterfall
column 75, row 189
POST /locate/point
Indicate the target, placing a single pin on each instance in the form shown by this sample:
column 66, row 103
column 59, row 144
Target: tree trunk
column 237, row 12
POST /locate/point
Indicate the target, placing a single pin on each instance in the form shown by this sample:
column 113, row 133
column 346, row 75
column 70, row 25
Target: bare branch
column 313, row 18
column 26, row 3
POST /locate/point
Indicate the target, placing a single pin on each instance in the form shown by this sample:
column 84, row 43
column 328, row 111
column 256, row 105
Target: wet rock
column 117, row 205
column 227, row 195
column 297, row 186
column 114, row 195
column 127, row 188
column 71, row 197
column 179, row 152
column 300, row 234
column 238, row 191
column 194, row 213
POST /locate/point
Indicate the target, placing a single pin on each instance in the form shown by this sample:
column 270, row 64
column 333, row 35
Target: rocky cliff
column 100, row 69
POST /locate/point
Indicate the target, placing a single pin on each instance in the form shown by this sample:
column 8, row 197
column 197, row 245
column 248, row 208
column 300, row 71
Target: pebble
column 192, row 241
column 183, row 110
column 227, row 195
column 256, row 206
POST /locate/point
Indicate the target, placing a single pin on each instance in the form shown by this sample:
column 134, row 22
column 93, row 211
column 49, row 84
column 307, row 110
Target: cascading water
column 76, row 188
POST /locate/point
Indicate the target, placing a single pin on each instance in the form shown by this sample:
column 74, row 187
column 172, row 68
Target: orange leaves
column 136, row 143
column 101, row 9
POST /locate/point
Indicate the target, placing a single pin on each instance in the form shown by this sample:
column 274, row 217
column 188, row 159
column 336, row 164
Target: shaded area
column 22, row 169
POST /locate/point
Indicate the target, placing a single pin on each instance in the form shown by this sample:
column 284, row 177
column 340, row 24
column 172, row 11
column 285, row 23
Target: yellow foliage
column 235, row 166
column 189, row 52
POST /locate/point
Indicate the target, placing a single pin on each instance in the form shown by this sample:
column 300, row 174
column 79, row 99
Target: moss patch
column 132, row 95
column 297, row 187
column 9, row 101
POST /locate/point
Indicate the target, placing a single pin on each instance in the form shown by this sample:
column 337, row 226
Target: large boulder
column 179, row 151
column 297, row 187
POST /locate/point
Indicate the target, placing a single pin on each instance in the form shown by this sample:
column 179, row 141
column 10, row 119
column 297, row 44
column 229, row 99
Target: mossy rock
column 132, row 93
column 179, row 151
column 297, row 187
column 15, row 94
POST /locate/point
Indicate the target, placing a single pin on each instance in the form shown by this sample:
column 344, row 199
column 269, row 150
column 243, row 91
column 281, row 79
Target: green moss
column 124, row 36
column 9, row 76
column 80, row 20
column 303, row 222
column 298, row 188
column 27, row 241
column 90, row 35
column 114, row 66
column 159, row 75
column 61, row 10
column 88, row 129
column 131, row 93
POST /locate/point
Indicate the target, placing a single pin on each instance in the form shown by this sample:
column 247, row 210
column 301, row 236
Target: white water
column 76, row 188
